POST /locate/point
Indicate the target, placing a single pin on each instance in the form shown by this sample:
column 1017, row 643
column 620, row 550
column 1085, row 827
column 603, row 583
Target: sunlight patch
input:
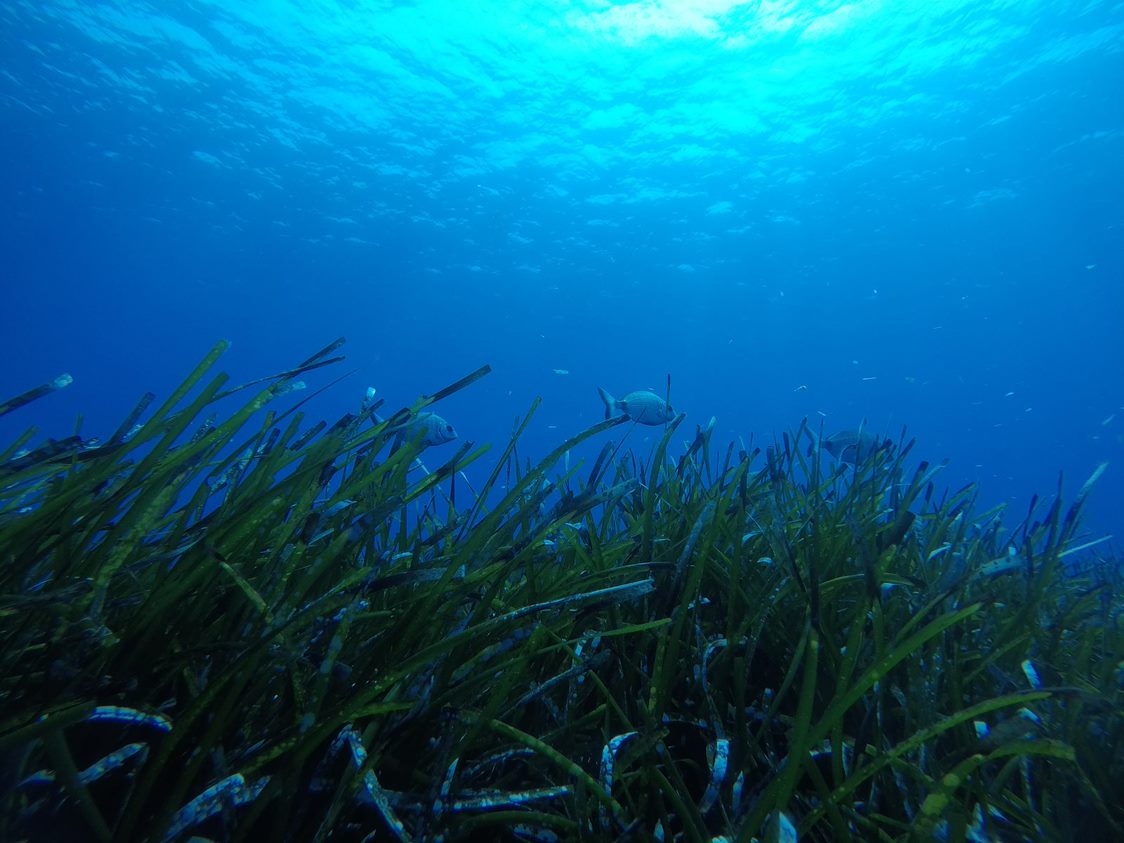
column 634, row 22
column 840, row 19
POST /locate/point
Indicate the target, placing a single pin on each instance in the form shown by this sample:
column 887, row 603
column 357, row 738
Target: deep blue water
column 913, row 209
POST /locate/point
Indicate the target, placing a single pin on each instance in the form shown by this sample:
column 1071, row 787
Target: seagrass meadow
column 245, row 626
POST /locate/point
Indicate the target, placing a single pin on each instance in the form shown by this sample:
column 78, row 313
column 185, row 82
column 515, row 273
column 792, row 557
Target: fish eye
column 448, row 428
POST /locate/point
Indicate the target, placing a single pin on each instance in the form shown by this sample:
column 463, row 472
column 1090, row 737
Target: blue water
column 905, row 212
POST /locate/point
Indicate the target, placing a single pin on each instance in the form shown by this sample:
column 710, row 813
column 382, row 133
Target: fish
column 428, row 429
column 642, row 406
column 849, row 446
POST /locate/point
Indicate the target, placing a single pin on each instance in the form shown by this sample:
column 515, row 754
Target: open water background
column 905, row 212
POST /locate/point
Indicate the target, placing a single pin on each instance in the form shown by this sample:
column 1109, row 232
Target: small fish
column 561, row 371
column 428, row 429
column 1003, row 565
column 642, row 406
column 849, row 446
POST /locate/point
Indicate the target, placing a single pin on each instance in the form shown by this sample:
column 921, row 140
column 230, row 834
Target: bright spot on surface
column 633, row 22
column 733, row 23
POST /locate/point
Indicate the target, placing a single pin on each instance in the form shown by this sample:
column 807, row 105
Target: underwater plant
column 241, row 626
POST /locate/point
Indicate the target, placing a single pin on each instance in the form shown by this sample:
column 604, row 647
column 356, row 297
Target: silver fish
column 849, row 446
column 428, row 429
column 642, row 406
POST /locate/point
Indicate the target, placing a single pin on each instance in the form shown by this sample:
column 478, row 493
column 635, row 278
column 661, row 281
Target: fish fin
column 610, row 402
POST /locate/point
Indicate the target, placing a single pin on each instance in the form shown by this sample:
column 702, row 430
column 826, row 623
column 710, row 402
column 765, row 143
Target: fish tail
column 610, row 402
